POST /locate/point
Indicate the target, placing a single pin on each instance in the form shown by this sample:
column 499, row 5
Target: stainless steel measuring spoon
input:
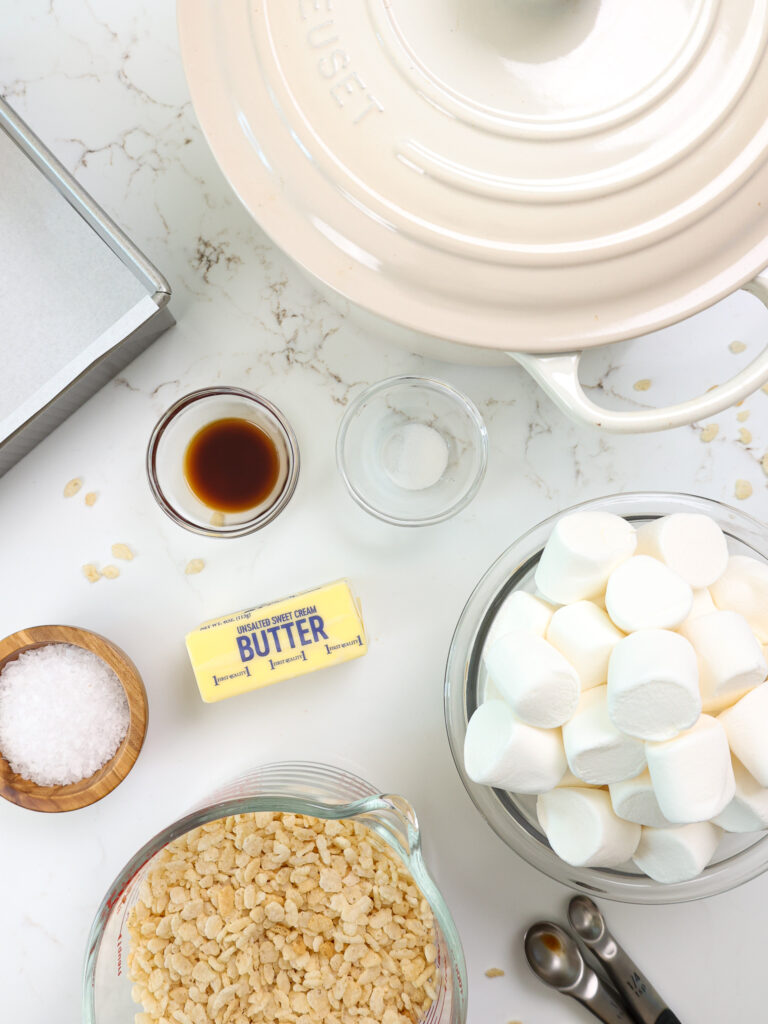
column 589, row 924
column 556, row 959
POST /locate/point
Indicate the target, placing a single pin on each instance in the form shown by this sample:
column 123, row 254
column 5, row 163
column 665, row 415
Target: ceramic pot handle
column 558, row 375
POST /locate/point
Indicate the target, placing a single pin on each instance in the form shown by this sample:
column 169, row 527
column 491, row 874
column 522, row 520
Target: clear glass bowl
column 513, row 817
column 300, row 788
column 372, row 424
column 168, row 444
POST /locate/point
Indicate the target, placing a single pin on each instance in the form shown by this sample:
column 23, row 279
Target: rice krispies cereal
column 270, row 917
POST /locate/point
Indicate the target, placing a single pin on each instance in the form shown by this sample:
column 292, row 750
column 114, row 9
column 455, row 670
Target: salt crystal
column 415, row 456
column 63, row 714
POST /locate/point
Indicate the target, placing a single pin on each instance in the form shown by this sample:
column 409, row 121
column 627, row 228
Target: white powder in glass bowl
column 415, row 456
column 63, row 714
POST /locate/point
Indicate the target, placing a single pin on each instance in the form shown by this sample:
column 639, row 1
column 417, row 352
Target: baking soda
column 415, row 456
column 63, row 714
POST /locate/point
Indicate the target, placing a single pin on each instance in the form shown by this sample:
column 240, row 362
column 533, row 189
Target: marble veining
column 101, row 82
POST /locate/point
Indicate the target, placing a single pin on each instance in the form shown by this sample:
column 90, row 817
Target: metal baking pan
column 78, row 300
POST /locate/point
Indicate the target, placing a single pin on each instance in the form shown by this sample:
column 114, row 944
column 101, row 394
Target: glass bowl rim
column 466, row 644
column 432, row 384
column 223, row 803
column 250, row 525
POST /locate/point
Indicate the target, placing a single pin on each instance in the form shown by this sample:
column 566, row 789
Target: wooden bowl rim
column 25, row 793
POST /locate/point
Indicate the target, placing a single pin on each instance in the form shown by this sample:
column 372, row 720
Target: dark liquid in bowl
column 231, row 465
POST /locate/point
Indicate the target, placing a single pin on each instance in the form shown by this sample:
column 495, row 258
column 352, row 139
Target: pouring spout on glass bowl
column 558, row 375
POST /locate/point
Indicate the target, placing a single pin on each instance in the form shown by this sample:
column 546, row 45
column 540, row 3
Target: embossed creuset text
column 348, row 88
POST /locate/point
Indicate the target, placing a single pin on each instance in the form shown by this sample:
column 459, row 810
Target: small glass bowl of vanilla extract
column 222, row 462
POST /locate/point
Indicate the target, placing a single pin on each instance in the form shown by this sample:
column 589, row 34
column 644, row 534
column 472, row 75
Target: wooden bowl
column 87, row 791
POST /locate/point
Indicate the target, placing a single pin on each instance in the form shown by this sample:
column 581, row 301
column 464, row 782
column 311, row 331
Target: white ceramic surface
column 102, row 83
column 503, row 174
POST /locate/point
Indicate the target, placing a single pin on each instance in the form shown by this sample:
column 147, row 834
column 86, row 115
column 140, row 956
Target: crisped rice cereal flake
column 743, row 489
column 91, row 573
column 90, row 498
column 72, row 487
column 642, row 385
column 194, row 566
column 737, row 347
column 111, row 572
column 123, row 552
column 709, row 432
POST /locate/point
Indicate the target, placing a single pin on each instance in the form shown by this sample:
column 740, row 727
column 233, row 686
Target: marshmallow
column 692, row 774
column 582, row 551
column 635, row 800
column 519, row 611
column 692, row 545
column 743, row 588
column 702, row 605
column 585, row 635
column 746, row 726
column 534, row 679
column 676, row 854
column 644, row 594
column 596, row 751
column 502, row 751
column 653, row 685
column 583, row 830
column 748, row 811
column 569, row 779
column 731, row 659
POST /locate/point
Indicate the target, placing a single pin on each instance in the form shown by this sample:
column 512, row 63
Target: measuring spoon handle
column 600, row 1000
column 645, row 1002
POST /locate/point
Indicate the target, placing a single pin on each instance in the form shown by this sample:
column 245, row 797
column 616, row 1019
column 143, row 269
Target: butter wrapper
column 259, row 646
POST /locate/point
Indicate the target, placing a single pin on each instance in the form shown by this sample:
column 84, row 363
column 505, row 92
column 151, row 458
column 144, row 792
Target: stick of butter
column 253, row 648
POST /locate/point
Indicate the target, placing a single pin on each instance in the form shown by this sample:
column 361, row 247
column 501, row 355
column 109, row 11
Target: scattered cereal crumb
column 91, row 498
column 764, row 388
column 709, row 433
column 217, row 519
column 122, row 551
column 110, row 571
column 194, row 566
column 642, row 385
column 743, row 489
column 494, row 972
column 91, row 573
column 745, row 436
column 764, row 463
column 72, row 487
column 742, row 416
column 737, row 346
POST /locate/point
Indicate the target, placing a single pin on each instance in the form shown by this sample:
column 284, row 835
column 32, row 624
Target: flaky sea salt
column 415, row 456
column 63, row 714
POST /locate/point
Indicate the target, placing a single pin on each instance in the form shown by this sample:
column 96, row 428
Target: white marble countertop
column 102, row 83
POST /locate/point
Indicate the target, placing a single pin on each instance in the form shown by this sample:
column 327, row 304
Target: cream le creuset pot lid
column 533, row 176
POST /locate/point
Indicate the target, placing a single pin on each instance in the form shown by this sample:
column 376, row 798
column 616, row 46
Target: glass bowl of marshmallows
column 606, row 697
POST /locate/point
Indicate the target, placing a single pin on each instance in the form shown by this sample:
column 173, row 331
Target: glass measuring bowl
column 739, row 858
column 300, row 788
column 171, row 437
column 365, row 441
